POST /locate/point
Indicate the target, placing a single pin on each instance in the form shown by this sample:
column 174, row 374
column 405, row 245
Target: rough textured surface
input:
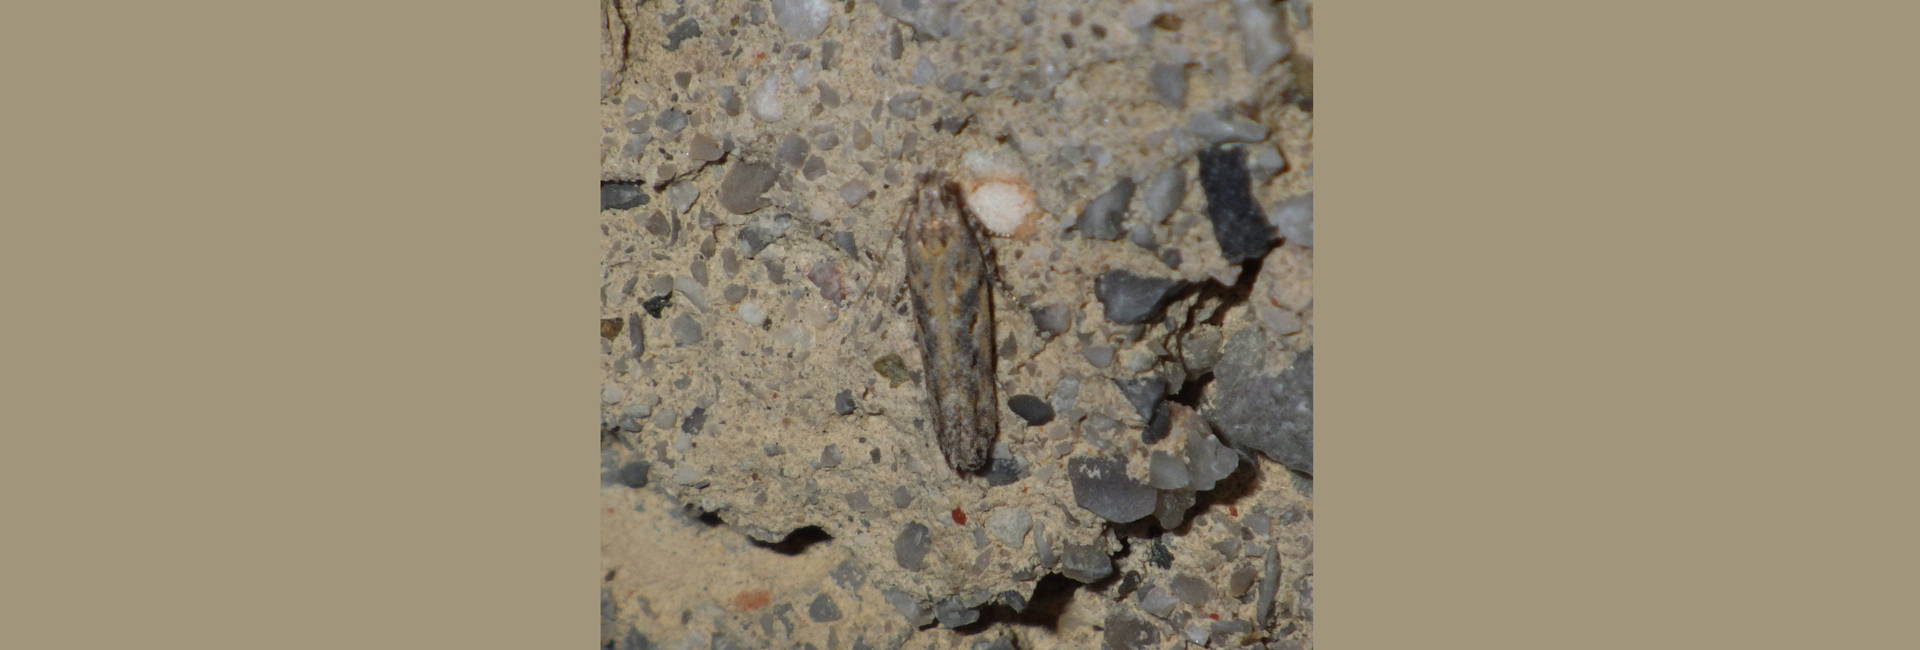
column 768, row 473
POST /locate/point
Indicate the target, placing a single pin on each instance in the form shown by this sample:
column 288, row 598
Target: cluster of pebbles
column 1145, row 168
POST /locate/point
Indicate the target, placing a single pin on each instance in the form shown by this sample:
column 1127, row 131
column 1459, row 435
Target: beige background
column 1617, row 305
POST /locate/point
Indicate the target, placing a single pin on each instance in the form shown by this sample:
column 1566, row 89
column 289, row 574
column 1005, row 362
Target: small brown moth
column 947, row 276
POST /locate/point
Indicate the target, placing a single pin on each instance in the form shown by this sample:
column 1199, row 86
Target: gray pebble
column 686, row 475
column 923, row 72
column 773, row 449
column 1191, row 590
column 612, row 394
column 1158, row 601
column 1241, row 580
column 734, row 293
column 1270, row 413
column 815, row 167
column 1002, row 471
column 621, row 196
column 1294, row 219
column 730, row 101
column 1102, row 217
column 823, row 609
column 686, row 330
column 688, row 28
column 1125, row 631
column 1009, row 525
column 671, row 121
column 1052, row 320
column 1141, row 234
column 827, row 141
column 704, row 147
column 1209, row 460
column 1030, row 408
column 843, row 402
column 637, row 410
column 903, row 105
column 1263, row 35
column 1100, row 356
column 633, row 106
column 1169, row 81
column 1172, row 507
column 802, row 19
column 792, row 151
column 1041, row 548
column 1166, row 472
column 849, row 574
column 908, row 607
column 830, row 456
column 1101, row 485
column 681, row 195
column 853, row 192
column 1224, row 126
column 634, row 474
column 1086, row 564
column 829, row 96
column 844, row 240
column 858, row 502
column 1065, row 392
column 1132, row 298
column 761, row 232
column 1240, row 228
column 952, row 614
column 910, row 547
column 694, row 421
column 901, row 497
column 741, row 189
column 1149, row 399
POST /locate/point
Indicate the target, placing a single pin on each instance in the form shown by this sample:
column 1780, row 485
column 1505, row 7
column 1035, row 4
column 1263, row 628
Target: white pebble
column 1294, row 218
column 612, row 394
column 802, row 19
column 1262, row 36
column 763, row 102
column 752, row 314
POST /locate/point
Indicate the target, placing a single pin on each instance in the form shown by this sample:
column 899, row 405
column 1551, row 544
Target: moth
column 948, row 278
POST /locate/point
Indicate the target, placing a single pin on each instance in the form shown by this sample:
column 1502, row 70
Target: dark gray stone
column 762, row 232
column 910, row 547
column 616, row 195
column 670, row 120
column 1239, row 226
column 1103, row 216
column 1101, row 485
column 843, row 402
column 688, row 28
column 1087, row 564
column 1191, row 590
column 823, row 609
column 1002, row 471
column 1052, row 320
column 634, row 474
column 1034, row 410
column 1132, row 298
column 954, row 614
column 1269, row 413
column 1149, row 398
column 848, row 574
column 694, row 421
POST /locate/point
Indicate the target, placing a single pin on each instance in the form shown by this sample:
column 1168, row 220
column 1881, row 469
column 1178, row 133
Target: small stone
column 908, row 607
column 1293, row 218
column 1270, row 413
column 830, row 457
column 1241, row 580
column 827, row 141
column 704, row 147
column 1166, row 472
column 815, row 167
column 686, row 330
column 1032, row 409
column 828, row 96
column 751, row 314
column 901, row 497
column 730, row 101
column 610, row 328
column 904, row 105
column 1002, row 471
column 1165, row 191
column 634, row 474
column 761, row 232
column 893, row 368
column 952, row 614
column 1224, row 126
column 849, row 574
column 1208, row 459
column 910, row 547
column 844, row 240
column 1101, row 485
column 823, row 609
column 686, row 475
column 696, row 295
column 1240, row 229
column 1191, row 590
column 858, row 502
column 1131, row 298
column 1099, row 356
column 671, row 121
column 843, row 402
column 694, row 421
column 1158, row 601
column 681, row 195
column 802, row 19
column 1128, row 632
column 764, row 101
column 1009, row 525
column 1086, row 564
column 1263, row 36
column 1172, row 506
column 825, row 276
column 1169, row 81
column 1052, row 320
column 1041, row 548
column 853, row 192
column 773, row 449
column 1149, row 398
column 633, row 106
column 741, row 189
column 658, row 225
column 612, row 394
column 688, row 28
column 615, row 195
column 792, row 151
column 1102, row 217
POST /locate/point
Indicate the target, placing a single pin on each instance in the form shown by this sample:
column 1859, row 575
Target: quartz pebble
column 1009, row 525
